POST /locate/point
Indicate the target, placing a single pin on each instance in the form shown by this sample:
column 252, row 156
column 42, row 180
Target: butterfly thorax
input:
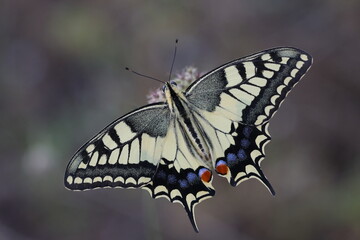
column 182, row 115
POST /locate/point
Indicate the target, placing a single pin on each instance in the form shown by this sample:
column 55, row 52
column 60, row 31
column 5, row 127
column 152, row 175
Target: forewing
column 178, row 175
column 125, row 154
column 250, row 90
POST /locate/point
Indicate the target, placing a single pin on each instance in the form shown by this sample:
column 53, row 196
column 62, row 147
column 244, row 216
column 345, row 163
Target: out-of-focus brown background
column 62, row 79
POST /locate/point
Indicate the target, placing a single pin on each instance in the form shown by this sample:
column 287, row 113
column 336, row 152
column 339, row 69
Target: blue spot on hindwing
column 183, row 183
column 231, row 158
column 220, row 162
column 247, row 131
column 192, row 177
column 171, row 179
column 245, row 143
column 161, row 174
column 201, row 171
column 242, row 154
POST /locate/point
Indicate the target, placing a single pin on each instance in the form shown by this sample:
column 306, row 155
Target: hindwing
column 178, row 177
column 244, row 156
column 236, row 147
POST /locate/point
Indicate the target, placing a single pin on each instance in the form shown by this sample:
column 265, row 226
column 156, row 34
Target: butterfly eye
column 163, row 88
column 173, row 83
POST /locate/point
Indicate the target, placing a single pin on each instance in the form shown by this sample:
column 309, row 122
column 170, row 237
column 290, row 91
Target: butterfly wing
column 250, row 90
column 145, row 149
column 125, row 154
column 178, row 174
column 234, row 103
column 237, row 150
column 148, row 148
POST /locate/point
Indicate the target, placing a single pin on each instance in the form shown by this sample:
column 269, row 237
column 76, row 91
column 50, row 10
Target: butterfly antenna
column 173, row 61
column 142, row 75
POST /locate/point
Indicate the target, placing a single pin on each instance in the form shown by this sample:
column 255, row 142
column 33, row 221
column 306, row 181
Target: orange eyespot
column 205, row 175
column 221, row 167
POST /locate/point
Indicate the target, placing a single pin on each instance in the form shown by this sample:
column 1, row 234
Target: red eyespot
column 221, row 167
column 205, row 174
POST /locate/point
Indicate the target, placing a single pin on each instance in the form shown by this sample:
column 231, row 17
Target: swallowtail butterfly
column 218, row 124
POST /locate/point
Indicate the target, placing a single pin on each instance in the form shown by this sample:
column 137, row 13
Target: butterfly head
column 170, row 90
column 170, row 84
column 173, row 94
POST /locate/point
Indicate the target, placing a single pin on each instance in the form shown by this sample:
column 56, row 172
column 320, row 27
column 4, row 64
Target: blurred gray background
column 62, row 79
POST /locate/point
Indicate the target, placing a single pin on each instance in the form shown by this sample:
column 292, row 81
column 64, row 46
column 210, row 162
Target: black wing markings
column 116, row 175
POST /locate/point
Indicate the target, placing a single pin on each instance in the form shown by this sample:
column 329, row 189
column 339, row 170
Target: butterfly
column 218, row 124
